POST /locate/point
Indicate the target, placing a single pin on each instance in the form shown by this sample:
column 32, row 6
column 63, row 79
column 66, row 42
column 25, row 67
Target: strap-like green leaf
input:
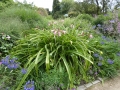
column 77, row 53
column 47, row 59
column 67, row 67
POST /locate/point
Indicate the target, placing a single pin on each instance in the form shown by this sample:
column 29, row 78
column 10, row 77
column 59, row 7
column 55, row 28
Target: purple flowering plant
column 10, row 63
column 24, row 71
column 110, row 61
column 111, row 27
column 9, row 72
column 29, row 85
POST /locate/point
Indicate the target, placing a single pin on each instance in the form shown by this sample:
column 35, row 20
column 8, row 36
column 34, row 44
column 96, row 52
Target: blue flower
column 5, row 61
column 112, row 21
column 100, row 58
column 102, row 42
column 99, row 25
column 103, row 37
column 99, row 64
column 94, row 27
column 110, row 61
column 96, row 73
column 58, row 88
column 13, row 65
column 29, row 85
column 118, row 54
column 23, row 71
column 13, row 60
column 95, row 55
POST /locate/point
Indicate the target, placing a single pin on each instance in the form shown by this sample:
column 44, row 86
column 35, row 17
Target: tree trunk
column 97, row 7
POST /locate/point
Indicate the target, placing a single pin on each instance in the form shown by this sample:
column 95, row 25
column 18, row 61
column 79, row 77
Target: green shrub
column 2, row 6
column 68, row 22
column 57, row 15
column 58, row 49
column 106, row 62
column 52, row 81
column 119, row 14
column 85, row 17
column 7, row 79
column 13, row 27
column 26, row 15
column 83, row 25
column 109, row 16
column 42, row 12
column 5, row 4
column 73, row 14
column 99, row 20
column 6, row 43
column 49, row 17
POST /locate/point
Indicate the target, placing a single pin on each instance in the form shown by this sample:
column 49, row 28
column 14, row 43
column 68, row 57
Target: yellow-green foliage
column 119, row 13
column 42, row 11
column 86, row 17
column 25, row 14
column 72, row 14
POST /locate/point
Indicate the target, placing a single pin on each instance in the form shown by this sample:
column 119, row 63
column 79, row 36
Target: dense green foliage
column 86, row 17
column 15, row 22
column 5, row 4
column 66, row 6
column 25, row 15
column 6, row 43
column 56, row 9
column 60, row 51
column 61, row 54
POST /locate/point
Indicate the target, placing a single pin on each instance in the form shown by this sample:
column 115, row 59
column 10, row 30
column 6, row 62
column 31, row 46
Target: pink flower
column 91, row 36
column 58, row 32
column 64, row 32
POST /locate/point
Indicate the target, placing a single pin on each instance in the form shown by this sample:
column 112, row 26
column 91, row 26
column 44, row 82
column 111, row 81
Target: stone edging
column 85, row 86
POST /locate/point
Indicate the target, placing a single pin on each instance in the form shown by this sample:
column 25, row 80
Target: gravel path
column 111, row 84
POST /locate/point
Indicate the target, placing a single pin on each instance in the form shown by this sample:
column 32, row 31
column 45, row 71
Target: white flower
column 8, row 37
column 91, row 36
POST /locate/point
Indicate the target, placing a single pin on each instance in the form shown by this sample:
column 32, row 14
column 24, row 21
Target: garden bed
column 59, row 54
